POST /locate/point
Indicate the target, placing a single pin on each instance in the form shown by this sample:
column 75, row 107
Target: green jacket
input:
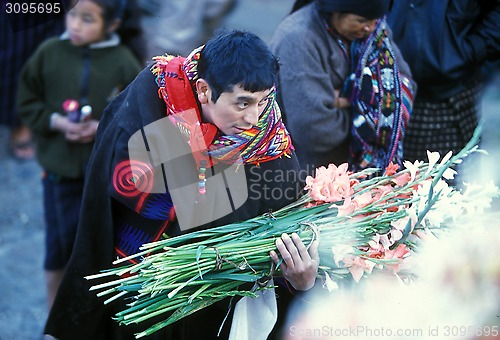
column 56, row 72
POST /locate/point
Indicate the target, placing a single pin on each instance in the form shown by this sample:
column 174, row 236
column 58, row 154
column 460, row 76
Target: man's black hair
column 237, row 58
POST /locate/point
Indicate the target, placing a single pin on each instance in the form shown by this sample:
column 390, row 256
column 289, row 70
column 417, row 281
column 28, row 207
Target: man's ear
column 114, row 25
column 203, row 91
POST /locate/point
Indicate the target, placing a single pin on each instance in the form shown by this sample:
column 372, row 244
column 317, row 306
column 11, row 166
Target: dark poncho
column 77, row 313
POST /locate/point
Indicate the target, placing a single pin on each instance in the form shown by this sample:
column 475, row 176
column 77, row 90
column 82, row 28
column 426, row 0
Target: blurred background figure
column 446, row 44
column 23, row 308
column 333, row 80
column 19, row 37
column 182, row 24
column 82, row 69
column 131, row 31
column 487, row 166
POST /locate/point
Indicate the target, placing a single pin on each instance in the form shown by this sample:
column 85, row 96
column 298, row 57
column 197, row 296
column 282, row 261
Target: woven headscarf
column 268, row 140
column 382, row 101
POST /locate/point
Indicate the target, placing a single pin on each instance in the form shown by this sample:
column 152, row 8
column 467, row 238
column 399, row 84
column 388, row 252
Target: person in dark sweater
column 446, row 44
column 87, row 65
column 343, row 78
column 195, row 143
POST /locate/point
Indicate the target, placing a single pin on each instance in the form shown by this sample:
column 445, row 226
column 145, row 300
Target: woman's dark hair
column 299, row 4
column 237, row 58
column 371, row 9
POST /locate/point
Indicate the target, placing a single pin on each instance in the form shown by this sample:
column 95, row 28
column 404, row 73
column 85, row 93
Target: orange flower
column 391, row 169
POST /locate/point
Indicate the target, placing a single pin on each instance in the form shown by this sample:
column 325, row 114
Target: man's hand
column 299, row 266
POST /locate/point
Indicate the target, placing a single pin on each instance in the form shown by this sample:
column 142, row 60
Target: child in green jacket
column 63, row 90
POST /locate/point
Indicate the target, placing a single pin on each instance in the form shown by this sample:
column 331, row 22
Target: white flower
column 449, row 173
column 478, row 197
column 446, row 207
column 339, row 252
column 330, row 284
column 445, row 158
column 433, row 158
column 413, row 167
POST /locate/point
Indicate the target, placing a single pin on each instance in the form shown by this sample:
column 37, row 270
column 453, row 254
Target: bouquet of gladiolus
column 363, row 221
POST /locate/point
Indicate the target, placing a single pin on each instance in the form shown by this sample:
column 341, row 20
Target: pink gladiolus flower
column 347, row 208
column 402, row 179
column 357, row 203
column 391, row 169
column 330, row 184
column 398, row 253
column 375, row 244
column 358, row 266
column 341, row 169
column 363, row 200
column 381, row 191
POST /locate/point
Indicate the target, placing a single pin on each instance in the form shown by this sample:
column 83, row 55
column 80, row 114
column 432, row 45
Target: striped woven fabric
column 442, row 126
column 381, row 100
column 265, row 141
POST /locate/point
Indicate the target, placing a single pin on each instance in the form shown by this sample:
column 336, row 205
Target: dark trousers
column 62, row 199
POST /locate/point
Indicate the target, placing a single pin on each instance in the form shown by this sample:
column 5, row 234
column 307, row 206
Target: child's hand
column 299, row 266
column 87, row 131
column 83, row 132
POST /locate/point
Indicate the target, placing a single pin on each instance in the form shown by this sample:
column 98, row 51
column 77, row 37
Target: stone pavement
column 22, row 303
column 22, row 285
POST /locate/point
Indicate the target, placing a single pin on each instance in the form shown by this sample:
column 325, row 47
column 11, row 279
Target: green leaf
column 231, row 276
column 198, row 254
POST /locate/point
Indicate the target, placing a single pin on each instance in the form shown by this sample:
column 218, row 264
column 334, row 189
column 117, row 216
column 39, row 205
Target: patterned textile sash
column 382, row 101
column 268, row 140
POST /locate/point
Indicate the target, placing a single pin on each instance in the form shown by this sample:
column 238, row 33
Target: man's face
column 234, row 111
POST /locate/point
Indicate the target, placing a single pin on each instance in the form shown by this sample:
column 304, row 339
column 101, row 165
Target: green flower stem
column 180, row 275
